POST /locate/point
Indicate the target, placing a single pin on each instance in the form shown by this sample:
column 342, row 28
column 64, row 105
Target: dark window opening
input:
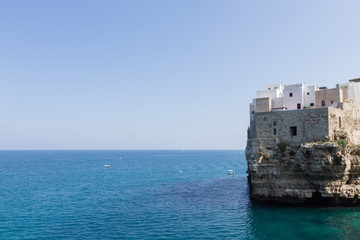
column 274, row 131
column 290, row 94
column 299, row 106
column 293, row 131
column 339, row 122
column 311, row 104
column 323, row 103
column 274, row 123
column 268, row 88
column 332, row 102
column 308, row 93
column 253, row 112
column 275, row 87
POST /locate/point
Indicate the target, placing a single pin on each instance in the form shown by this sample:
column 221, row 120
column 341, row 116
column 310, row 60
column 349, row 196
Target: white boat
column 231, row 172
column 107, row 165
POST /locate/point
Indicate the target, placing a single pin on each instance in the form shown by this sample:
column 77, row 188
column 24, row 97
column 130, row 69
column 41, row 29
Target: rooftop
column 355, row 80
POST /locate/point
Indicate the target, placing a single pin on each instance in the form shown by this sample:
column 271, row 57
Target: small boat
column 231, row 172
column 180, row 171
column 107, row 165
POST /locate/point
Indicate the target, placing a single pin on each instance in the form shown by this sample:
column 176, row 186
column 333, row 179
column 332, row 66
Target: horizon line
column 122, row 149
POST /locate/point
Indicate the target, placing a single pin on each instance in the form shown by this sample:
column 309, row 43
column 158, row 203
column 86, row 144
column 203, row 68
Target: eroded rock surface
column 324, row 172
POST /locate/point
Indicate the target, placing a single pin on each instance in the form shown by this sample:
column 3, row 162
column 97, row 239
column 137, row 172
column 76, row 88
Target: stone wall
column 330, row 96
column 344, row 122
column 310, row 124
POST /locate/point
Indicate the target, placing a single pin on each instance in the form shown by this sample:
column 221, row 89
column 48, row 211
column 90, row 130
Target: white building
column 271, row 91
column 309, row 96
column 294, row 96
column 275, row 93
column 277, row 97
column 299, row 96
column 290, row 97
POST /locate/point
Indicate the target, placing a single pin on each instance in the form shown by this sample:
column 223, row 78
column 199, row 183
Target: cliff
column 290, row 169
column 310, row 173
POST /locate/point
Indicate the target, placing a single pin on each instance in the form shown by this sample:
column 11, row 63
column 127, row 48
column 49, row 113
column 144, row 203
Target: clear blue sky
column 160, row 74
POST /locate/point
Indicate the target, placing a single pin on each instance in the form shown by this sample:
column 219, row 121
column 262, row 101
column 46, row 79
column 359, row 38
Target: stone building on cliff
column 304, row 144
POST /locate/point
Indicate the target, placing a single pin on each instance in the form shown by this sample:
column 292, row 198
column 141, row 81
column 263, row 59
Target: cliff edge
column 305, row 156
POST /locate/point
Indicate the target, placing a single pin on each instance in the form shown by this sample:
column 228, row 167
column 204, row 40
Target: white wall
column 277, row 103
column 280, row 95
column 271, row 91
column 297, row 96
column 354, row 91
column 267, row 93
column 275, row 86
column 311, row 97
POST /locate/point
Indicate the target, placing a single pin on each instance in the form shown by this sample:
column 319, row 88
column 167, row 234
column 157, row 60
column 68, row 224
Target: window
column 274, row 131
column 268, row 88
column 253, row 112
column 293, row 131
column 299, row 106
column 323, row 103
column 274, row 124
column 311, row 104
column 332, row 102
column 275, row 87
column 290, row 94
column 308, row 93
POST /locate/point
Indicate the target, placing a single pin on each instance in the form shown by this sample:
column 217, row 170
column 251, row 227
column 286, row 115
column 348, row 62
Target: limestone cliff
column 326, row 173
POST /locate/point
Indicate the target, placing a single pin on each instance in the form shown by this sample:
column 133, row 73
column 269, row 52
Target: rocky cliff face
column 323, row 172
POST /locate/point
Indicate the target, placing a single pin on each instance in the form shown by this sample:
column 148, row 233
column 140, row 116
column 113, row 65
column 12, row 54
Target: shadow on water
column 227, row 201
column 216, row 209
column 284, row 221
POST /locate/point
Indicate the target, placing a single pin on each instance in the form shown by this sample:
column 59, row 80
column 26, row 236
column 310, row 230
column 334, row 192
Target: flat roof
column 355, row 80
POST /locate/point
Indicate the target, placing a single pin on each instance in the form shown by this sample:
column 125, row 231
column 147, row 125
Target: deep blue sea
column 144, row 195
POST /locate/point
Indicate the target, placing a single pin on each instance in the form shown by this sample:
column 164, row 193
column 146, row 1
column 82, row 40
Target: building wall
column 296, row 90
column 341, row 114
column 275, row 86
column 346, row 119
column 272, row 91
column 354, row 91
column 311, row 125
column 309, row 96
column 263, row 105
column 277, row 104
column 267, row 93
column 343, row 92
column 330, row 96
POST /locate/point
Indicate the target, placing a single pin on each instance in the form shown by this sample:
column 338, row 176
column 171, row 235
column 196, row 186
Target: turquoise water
column 143, row 195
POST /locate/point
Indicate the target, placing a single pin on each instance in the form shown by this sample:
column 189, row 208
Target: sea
column 149, row 195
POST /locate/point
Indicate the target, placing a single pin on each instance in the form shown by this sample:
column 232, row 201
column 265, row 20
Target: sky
column 135, row 74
